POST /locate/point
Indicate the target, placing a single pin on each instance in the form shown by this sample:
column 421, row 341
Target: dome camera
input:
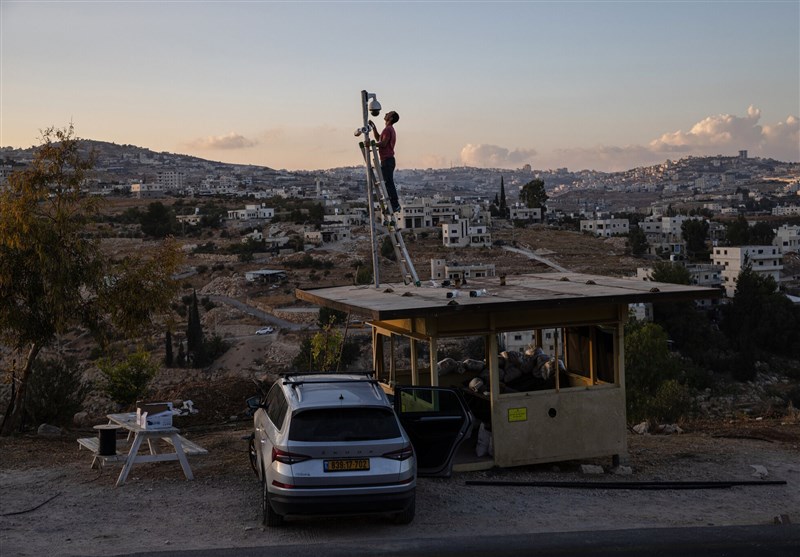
column 374, row 107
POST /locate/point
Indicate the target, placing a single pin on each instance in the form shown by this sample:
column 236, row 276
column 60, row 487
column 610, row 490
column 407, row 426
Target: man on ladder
column 380, row 182
column 386, row 141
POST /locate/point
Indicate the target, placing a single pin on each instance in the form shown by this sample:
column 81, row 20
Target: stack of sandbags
column 449, row 365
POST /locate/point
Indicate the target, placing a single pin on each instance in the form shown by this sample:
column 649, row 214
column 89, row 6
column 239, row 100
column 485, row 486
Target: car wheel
column 406, row 516
column 270, row 517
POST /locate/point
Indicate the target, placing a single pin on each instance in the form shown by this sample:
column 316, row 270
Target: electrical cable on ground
column 630, row 485
column 32, row 508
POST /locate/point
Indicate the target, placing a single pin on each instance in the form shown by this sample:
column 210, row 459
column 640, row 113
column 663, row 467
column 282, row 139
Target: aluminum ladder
column 386, row 217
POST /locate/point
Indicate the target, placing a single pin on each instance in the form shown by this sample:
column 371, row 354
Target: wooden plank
column 189, row 447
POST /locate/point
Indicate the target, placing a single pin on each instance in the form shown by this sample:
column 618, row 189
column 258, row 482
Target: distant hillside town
column 681, row 210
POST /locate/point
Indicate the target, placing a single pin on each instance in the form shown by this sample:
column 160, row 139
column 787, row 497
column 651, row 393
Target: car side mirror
column 253, row 404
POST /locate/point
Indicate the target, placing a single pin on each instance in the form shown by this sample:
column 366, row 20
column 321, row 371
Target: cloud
column 720, row 131
column 722, row 134
column 782, row 141
column 493, row 156
column 230, row 141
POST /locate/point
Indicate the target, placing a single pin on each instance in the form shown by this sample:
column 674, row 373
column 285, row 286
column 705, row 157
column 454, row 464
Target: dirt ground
column 52, row 502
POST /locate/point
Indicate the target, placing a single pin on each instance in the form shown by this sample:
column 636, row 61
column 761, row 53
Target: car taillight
column 287, row 457
column 401, row 454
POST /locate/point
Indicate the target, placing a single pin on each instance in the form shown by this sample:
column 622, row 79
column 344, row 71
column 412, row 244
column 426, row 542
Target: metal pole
column 370, row 188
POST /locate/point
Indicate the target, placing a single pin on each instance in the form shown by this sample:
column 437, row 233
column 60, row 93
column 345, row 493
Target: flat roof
column 520, row 292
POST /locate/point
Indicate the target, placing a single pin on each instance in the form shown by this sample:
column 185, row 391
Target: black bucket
column 108, row 439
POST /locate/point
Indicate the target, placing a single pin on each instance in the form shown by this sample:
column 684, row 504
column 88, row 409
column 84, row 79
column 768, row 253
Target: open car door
column 437, row 421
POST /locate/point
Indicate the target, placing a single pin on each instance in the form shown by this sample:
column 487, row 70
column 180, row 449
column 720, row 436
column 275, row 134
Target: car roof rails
column 368, row 379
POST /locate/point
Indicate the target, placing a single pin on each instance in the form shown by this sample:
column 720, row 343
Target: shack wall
column 573, row 423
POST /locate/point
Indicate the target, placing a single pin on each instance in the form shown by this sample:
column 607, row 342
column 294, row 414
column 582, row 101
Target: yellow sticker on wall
column 517, row 414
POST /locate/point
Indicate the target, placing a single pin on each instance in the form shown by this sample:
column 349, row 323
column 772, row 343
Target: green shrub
column 127, row 380
column 214, row 348
column 671, row 402
column 55, row 392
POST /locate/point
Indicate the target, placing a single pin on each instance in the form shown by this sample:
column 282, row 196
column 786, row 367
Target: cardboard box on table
column 154, row 415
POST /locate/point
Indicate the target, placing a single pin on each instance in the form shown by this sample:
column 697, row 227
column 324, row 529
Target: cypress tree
column 503, row 207
column 194, row 334
column 181, row 360
column 168, row 359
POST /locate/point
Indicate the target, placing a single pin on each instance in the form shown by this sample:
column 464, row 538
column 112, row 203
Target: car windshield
column 344, row 424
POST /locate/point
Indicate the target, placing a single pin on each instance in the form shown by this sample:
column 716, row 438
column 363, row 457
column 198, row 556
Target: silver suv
column 328, row 444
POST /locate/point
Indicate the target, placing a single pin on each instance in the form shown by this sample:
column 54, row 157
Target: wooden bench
column 189, row 447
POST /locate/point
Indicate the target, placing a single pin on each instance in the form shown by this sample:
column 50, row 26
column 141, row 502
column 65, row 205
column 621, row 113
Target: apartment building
column 519, row 341
column 521, row 212
column 605, row 228
column 147, row 191
column 665, row 234
column 462, row 234
column 440, row 270
column 700, row 274
column 171, row 180
column 787, row 238
column 427, row 212
column 251, row 212
column 764, row 260
column 786, row 211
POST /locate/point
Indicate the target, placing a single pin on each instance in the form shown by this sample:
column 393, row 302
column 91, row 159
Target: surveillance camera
column 374, row 107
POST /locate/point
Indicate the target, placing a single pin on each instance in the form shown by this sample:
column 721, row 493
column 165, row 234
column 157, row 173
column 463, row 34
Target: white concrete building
column 171, row 180
column 462, row 234
column 440, row 270
column 787, row 238
column 251, row 212
column 144, row 191
column 700, row 274
column 519, row 341
column 521, row 212
column 605, row 228
column 786, row 210
column 765, row 260
column 427, row 213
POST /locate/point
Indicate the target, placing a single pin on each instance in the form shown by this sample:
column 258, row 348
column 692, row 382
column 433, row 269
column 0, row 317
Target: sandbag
column 473, row 366
column 449, row 365
column 512, row 357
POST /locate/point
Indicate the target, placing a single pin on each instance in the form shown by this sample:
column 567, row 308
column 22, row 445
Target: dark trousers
column 387, row 169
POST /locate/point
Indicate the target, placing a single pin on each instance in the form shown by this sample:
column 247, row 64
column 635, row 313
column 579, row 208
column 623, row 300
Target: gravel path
column 158, row 510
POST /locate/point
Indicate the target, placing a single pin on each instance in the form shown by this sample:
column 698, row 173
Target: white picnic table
column 171, row 435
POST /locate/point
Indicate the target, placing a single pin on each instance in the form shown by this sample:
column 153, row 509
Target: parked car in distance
column 331, row 444
column 265, row 331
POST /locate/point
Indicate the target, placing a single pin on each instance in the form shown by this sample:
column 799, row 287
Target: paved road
column 530, row 255
column 267, row 318
column 728, row 541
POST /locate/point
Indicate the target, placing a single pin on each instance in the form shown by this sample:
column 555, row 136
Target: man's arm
column 375, row 131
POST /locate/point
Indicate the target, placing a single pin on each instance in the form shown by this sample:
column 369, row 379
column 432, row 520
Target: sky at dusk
column 601, row 85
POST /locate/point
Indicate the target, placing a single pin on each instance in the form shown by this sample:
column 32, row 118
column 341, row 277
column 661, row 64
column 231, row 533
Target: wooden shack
column 579, row 413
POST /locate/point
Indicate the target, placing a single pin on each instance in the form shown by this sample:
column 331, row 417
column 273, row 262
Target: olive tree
column 53, row 274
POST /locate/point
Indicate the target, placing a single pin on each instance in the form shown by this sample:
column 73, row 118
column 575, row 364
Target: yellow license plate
column 346, row 465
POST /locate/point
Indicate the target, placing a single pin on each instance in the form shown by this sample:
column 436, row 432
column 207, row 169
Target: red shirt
column 388, row 137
